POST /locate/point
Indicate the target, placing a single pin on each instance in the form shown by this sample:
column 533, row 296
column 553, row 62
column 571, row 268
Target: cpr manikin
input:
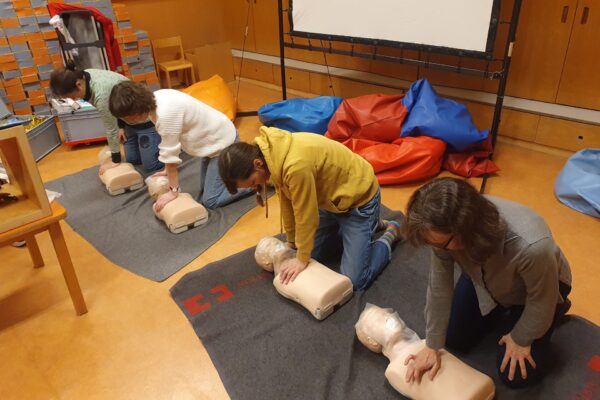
column 121, row 178
column 180, row 214
column 382, row 330
column 317, row 288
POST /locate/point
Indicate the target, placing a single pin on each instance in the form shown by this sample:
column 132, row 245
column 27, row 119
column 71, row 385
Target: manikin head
column 157, row 185
column 271, row 252
column 104, row 156
column 379, row 329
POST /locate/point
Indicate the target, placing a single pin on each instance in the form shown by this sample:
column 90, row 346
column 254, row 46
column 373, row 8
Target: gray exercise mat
column 124, row 229
column 266, row 347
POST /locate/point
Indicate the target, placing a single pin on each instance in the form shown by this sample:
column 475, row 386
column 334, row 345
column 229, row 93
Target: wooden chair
column 51, row 224
column 179, row 64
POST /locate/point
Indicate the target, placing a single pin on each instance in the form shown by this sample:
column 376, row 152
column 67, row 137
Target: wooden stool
column 51, row 224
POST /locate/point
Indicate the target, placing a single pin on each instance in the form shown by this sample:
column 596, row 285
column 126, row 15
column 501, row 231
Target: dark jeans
column 467, row 327
column 141, row 147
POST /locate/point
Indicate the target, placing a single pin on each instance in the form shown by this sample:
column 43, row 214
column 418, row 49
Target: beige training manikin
column 317, row 288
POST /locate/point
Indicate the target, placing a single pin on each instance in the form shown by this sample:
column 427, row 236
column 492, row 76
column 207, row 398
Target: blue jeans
column 141, row 147
column 363, row 259
column 213, row 192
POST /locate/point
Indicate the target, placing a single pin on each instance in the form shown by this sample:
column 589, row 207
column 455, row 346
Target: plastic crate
column 82, row 126
column 43, row 138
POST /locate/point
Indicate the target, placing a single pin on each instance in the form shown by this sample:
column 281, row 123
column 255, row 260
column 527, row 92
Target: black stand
column 501, row 75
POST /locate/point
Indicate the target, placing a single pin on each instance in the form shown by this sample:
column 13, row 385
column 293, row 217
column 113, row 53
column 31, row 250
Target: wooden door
column 580, row 82
column 540, row 47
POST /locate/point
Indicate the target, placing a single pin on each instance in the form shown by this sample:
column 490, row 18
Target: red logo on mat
column 590, row 390
column 226, row 293
column 193, row 307
column 594, row 363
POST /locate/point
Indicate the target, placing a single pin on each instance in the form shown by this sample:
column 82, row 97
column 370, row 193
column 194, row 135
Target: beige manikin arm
column 317, row 288
column 382, row 330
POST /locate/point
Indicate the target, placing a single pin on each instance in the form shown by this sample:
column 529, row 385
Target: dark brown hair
column 236, row 163
column 129, row 98
column 63, row 81
column 453, row 206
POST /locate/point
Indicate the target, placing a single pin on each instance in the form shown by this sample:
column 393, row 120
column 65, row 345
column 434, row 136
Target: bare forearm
column 172, row 175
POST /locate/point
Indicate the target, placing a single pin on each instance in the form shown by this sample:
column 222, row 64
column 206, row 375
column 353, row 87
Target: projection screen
column 447, row 26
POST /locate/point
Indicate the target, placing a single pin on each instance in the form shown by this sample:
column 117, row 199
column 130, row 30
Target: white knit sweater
column 187, row 124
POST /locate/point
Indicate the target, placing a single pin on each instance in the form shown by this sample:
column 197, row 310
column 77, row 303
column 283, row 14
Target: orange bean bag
column 214, row 92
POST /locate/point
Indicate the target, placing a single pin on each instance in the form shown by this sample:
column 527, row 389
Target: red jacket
column 112, row 47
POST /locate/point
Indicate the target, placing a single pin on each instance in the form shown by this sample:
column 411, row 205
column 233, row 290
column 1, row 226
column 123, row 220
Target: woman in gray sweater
column 514, row 278
column 94, row 86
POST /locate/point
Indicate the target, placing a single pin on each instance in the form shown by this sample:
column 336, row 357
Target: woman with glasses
column 515, row 279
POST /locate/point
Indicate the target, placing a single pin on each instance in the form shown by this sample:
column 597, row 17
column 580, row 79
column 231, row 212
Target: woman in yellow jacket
column 328, row 196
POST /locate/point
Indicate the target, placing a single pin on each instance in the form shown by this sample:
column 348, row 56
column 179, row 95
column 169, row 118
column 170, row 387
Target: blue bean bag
column 300, row 115
column 578, row 185
column 435, row 116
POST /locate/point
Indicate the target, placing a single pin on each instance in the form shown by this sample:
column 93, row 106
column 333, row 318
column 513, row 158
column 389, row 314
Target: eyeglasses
column 442, row 246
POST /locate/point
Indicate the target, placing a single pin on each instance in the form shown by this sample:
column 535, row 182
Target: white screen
column 457, row 24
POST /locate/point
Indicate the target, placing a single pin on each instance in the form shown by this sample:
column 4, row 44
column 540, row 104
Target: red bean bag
column 473, row 162
column 370, row 127
column 405, row 160
column 375, row 116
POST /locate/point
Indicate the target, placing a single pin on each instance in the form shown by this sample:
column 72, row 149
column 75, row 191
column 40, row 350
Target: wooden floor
column 136, row 344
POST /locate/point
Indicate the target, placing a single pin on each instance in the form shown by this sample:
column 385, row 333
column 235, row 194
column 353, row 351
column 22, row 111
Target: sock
column 392, row 232
column 382, row 224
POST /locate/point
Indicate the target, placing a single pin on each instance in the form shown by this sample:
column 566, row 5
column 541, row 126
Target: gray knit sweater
column 525, row 270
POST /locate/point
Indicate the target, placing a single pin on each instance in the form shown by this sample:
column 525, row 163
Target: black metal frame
column 501, row 74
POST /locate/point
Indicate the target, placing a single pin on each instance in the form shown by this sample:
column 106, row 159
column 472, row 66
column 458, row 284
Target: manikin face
column 257, row 179
column 79, row 92
column 443, row 241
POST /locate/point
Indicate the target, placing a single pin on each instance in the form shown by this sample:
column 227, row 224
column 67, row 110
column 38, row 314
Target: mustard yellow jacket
column 311, row 172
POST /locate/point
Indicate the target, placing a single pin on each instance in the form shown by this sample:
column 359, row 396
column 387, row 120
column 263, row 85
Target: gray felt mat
column 266, row 347
column 124, row 229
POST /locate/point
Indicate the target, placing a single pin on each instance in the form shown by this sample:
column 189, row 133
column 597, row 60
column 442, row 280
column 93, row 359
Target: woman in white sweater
column 186, row 124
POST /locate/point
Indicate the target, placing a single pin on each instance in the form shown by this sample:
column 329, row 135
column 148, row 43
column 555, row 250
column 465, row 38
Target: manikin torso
column 317, row 288
column 382, row 330
column 180, row 214
column 121, row 178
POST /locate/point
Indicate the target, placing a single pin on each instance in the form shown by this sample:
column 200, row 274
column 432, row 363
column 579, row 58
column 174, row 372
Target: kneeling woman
column 140, row 140
column 514, row 277
column 184, row 124
column 329, row 197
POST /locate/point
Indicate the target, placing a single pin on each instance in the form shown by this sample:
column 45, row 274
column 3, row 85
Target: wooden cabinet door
column 540, row 48
column 580, row 82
